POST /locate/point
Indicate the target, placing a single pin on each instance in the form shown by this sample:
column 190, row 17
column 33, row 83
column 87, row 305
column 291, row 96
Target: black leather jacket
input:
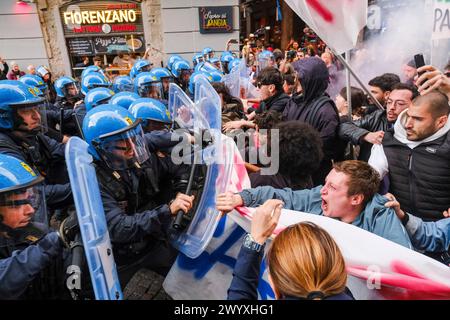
column 354, row 132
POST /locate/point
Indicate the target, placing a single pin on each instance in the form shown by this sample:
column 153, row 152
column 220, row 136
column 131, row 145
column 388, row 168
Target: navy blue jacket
column 57, row 195
column 19, row 270
column 246, row 275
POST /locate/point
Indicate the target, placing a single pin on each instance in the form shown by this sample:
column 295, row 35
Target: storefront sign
column 117, row 44
column 216, row 19
column 101, row 17
column 80, row 46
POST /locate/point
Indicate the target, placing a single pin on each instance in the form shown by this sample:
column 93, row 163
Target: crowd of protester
column 386, row 171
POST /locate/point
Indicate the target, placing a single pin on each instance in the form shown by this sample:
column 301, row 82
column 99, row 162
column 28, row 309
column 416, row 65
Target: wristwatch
column 251, row 244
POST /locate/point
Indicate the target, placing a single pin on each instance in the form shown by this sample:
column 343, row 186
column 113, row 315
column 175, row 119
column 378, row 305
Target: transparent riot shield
column 92, row 222
column 181, row 108
column 246, row 89
column 231, row 81
column 207, row 125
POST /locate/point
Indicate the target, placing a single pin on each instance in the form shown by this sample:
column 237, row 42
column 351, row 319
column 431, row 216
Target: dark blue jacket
column 21, row 268
column 246, row 275
column 57, row 195
column 135, row 205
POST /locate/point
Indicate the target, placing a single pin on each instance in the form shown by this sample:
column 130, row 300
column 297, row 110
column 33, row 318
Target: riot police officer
column 138, row 213
column 22, row 123
column 31, row 256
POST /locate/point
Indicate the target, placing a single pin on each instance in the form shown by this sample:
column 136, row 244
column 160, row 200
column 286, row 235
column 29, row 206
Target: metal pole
column 349, row 91
column 363, row 86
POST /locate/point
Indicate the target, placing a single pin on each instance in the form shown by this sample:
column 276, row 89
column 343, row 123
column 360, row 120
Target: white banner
column 441, row 20
column 336, row 22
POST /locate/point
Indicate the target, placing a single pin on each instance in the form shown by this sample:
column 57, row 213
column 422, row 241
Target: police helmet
column 115, row 137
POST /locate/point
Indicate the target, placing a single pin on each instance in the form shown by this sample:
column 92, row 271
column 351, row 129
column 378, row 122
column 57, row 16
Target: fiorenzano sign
column 106, row 16
column 101, row 17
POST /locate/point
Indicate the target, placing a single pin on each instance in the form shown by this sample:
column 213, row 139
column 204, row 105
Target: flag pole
column 349, row 91
column 363, row 86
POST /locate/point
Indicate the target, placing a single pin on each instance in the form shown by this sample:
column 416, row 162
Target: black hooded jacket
column 277, row 103
column 315, row 107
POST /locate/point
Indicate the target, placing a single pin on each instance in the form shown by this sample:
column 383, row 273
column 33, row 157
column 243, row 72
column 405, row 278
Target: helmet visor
column 151, row 90
column 124, row 87
column 31, row 118
column 21, row 206
column 71, row 90
column 124, row 150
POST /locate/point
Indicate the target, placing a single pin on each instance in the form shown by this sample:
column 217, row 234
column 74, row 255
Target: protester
column 15, row 73
column 370, row 129
column 358, row 100
column 31, row 69
column 305, row 263
column 349, row 194
column 415, row 157
column 4, row 71
column 299, row 154
column 312, row 105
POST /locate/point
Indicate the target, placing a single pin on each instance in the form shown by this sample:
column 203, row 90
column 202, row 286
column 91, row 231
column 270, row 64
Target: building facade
column 58, row 33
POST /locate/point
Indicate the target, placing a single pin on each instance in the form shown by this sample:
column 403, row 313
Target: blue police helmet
column 141, row 65
column 96, row 97
column 179, row 66
column 194, row 77
column 233, row 64
column 94, row 80
column 172, row 60
column 124, row 99
column 208, row 52
column 144, row 81
column 109, row 129
column 205, row 66
column 161, row 73
column 197, row 58
column 34, row 81
column 91, row 69
column 150, row 109
column 16, row 174
column 122, row 83
column 61, row 85
column 15, row 94
column 216, row 75
column 226, row 57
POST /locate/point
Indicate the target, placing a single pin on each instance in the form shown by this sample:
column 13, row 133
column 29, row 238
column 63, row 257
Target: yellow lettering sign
column 216, row 23
column 95, row 17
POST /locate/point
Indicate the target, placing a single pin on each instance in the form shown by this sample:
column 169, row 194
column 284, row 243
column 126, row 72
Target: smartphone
column 419, row 61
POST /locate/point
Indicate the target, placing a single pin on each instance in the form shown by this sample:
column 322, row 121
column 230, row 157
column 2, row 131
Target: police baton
column 179, row 218
column 61, row 120
column 74, row 270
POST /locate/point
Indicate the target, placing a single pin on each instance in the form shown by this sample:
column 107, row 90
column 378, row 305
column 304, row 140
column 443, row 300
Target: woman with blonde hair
column 304, row 261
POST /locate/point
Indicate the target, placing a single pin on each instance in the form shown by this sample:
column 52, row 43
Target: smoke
column 404, row 30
